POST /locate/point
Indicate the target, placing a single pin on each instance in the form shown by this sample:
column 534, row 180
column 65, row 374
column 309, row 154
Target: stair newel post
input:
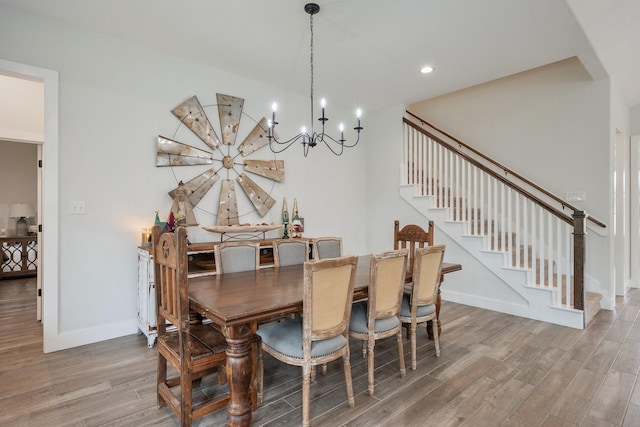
column 579, row 252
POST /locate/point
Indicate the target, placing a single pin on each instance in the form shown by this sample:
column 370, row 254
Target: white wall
column 552, row 125
column 115, row 98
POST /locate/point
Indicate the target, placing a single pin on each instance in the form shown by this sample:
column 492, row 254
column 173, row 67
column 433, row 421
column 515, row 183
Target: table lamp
column 21, row 211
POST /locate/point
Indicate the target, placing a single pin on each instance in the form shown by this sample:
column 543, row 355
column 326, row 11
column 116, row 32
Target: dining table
column 238, row 302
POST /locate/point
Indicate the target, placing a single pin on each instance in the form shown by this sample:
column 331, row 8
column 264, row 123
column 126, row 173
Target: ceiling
column 369, row 52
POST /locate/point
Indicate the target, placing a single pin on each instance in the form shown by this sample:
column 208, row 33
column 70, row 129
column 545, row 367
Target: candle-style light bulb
column 323, row 103
column 274, row 108
column 358, row 114
column 341, row 132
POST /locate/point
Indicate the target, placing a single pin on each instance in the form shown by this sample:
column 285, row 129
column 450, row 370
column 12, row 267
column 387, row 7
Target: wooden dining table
column 237, row 302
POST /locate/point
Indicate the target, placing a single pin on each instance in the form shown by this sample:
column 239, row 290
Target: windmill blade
column 257, row 139
column 261, row 200
column 197, row 187
column 174, row 153
column 228, row 207
column 272, row 169
column 229, row 112
column 191, row 113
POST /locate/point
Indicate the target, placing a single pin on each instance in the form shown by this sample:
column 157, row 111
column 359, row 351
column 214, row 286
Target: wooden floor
column 494, row 370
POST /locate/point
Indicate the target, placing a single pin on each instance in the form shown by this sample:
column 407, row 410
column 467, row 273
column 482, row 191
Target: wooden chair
column 419, row 306
column 377, row 318
column 290, row 252
column 194, row 351
column 327, row 247
column 322, row 334
column 411, row 236
column 232, row 257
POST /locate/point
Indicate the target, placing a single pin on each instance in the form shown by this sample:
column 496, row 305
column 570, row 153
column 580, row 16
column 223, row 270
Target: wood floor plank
column 610, row 403
column 574, row 403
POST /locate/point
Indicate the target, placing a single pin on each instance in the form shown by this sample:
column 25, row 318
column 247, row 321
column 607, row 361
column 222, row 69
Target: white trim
column 48, row 246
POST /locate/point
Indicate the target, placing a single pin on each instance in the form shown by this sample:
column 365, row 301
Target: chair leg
column 413, row 347
column 222, row 374
column 436, row 338
column 364, row 349
column 306, row 391
column 347, row 378
column 186, row 401
column 370, row 366
column 403, row 371
column 161, row 378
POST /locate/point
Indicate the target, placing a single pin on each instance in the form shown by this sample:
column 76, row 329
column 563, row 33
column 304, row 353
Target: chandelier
column 312, row 138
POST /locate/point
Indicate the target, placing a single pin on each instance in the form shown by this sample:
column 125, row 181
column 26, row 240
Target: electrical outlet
column 576, row 196
column 77, row 208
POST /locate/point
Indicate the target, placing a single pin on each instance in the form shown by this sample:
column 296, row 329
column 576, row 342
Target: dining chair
column 419, row 304
column 377, row 317
column 411, row 236
column 327, row 247
column 233, row 257
column 192, row 350
column 290, row 252
column 322, row 334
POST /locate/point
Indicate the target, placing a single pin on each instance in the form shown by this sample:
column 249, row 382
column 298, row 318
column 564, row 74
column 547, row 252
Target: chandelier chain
column 311, row 66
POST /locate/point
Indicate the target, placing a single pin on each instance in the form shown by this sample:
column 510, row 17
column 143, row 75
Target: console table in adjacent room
column 19, row 256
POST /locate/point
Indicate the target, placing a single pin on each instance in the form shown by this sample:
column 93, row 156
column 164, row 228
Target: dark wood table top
column 251, row 296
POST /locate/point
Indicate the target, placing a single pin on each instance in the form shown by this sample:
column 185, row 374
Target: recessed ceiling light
column 426, row 69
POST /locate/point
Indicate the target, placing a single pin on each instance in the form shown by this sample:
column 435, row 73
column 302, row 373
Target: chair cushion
column 423, row 310
column 358, row 322
column 286, row 338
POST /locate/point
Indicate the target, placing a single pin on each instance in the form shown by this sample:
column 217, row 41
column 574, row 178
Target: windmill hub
column 227, row 162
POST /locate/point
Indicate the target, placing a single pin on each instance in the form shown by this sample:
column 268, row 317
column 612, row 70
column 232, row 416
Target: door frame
column 48, row 242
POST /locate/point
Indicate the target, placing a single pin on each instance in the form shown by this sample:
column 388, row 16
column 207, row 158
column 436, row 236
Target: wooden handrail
column 504, row 168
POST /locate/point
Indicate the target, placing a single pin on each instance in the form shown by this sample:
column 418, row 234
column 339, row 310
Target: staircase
column 528, row 241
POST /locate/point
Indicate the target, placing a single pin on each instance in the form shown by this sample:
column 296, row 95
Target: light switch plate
column 77, row 208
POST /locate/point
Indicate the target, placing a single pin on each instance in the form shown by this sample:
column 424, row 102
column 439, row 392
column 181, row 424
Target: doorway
column 47, row 194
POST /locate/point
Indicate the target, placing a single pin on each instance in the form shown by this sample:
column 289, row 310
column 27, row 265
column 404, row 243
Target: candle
column 146, row 237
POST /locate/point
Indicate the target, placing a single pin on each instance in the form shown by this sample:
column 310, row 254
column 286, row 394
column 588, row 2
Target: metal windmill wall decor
column 171, row 153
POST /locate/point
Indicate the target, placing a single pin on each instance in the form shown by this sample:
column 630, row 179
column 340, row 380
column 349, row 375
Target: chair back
column 290, row 252
column 232, row 257
column 328, row 294
column 386, row 284
column 170, row 264
column 411, row 236
column 427, row 268
column 327, row 247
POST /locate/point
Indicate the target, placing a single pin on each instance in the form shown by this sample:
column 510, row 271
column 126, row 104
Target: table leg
column 239, row 373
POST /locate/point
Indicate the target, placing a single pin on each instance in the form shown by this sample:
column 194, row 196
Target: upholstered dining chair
column 412, row 236
column 419, row 303
column 193, row 351
column 322, row 334
column 290, row 252
column 233, row 257
column 327, row 247
column 377, row 317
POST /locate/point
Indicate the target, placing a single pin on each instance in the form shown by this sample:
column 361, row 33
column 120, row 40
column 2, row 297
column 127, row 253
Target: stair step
column 591, row 306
